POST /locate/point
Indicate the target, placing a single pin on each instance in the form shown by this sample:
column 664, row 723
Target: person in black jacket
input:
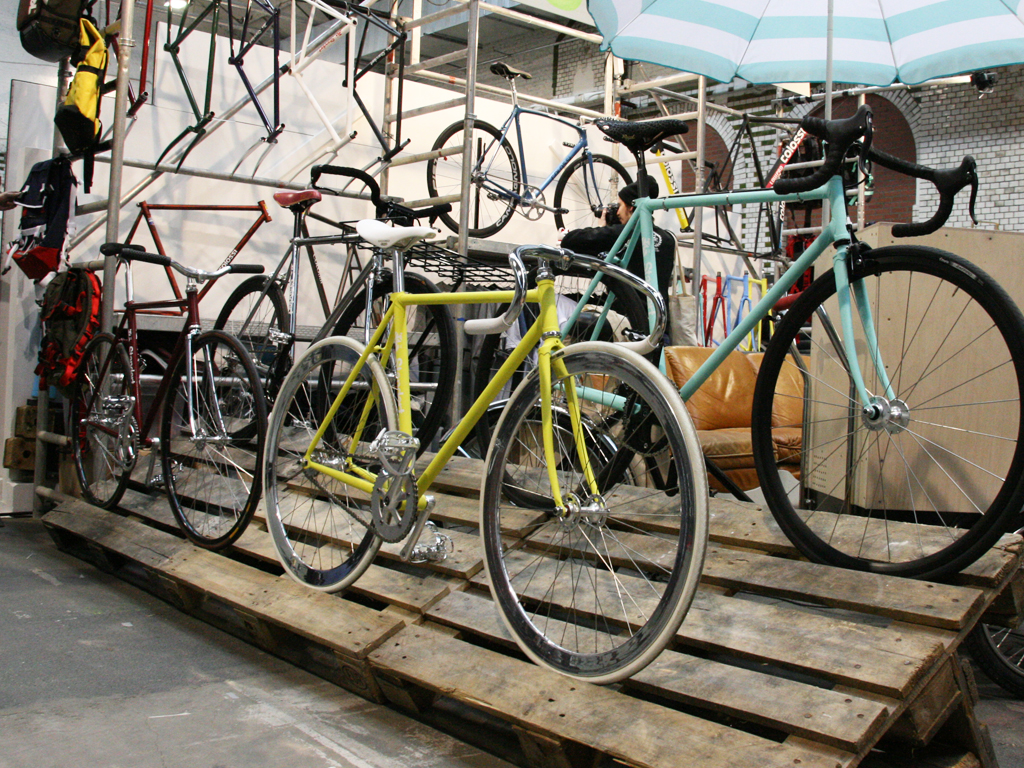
column 597, row 240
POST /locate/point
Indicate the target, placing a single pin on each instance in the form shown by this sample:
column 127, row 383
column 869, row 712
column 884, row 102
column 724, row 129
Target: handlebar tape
column 134, row 252
column 948, row 181
column 840, row 136
column 385, row 209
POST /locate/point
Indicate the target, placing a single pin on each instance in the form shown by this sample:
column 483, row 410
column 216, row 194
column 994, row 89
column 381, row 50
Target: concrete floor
column 99, row 674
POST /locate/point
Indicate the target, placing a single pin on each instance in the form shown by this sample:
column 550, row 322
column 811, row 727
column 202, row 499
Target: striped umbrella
column 875, row 42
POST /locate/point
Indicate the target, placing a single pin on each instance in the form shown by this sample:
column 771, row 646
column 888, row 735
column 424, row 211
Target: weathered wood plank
column 133, row 540
column 869, row 658
column 339, row 624
column 846, row 721
column 937, row 605
column 637, row 732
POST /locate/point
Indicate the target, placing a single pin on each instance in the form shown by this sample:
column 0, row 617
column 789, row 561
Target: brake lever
column 974, row 191
column 865, row 145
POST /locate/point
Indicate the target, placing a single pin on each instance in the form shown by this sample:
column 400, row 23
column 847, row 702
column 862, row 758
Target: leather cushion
column 724, row 400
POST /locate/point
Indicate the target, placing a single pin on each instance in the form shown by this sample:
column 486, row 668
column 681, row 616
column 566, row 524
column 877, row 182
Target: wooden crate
column 780, row 662
column 20, row 453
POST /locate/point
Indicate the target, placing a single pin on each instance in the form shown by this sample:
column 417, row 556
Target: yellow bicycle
column 593, row 510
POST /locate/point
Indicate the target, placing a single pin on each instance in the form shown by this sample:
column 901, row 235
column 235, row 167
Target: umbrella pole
column 825, row 212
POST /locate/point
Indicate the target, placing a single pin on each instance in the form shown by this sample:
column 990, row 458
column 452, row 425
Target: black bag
column 49, row 28
column 47, row 201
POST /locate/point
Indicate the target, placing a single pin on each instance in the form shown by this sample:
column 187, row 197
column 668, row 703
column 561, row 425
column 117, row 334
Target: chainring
column 394, row 506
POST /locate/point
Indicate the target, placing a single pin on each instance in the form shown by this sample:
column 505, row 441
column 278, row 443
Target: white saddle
column 384, row 235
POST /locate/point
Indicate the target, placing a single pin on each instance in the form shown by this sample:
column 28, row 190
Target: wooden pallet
column 780, row 662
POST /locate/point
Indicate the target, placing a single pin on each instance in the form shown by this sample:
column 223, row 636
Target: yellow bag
column 78, row 117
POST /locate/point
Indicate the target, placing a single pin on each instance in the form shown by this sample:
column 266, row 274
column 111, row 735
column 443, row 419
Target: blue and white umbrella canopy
column 875, row 42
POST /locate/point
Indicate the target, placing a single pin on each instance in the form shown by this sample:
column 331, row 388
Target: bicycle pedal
column 396, row 451
column 434, row 551
column 274, row 336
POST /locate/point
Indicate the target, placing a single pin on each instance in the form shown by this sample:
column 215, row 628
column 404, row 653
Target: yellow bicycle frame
column 392, row 337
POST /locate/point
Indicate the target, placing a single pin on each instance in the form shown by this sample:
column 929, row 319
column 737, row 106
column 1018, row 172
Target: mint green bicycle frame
column 641, row 227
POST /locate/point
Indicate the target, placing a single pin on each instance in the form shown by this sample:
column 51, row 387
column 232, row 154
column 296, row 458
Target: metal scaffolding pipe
column 557, row 105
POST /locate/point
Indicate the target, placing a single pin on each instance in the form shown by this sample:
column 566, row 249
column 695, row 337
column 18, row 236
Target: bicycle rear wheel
column 432, row 361
column 209, row 471
column 104, row 432
column 496, row 178
column 253, row 311
column 321, row 526
column 585, row 197
column 597, row 590
column 926, row 490
column 1000, row 652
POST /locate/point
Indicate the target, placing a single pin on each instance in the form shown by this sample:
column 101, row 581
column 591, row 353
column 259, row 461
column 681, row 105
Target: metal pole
column 43, row 396
column 126, row 43
column 698, row 173
column 861, row 199
column 825, row 211
column 472, row 57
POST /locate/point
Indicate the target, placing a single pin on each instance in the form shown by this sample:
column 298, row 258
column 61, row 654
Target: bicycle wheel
column 495, row 348
column 320, row 525
column 584, row 197
column 496, row 180
column 927, row 489
column 432, row 361
column 999, row 651
column 105, row 434
column 250, row 314
column 597, row 591
column 209, row 471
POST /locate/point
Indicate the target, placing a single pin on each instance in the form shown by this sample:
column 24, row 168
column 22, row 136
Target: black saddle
column 639, row 137
column 501, row 69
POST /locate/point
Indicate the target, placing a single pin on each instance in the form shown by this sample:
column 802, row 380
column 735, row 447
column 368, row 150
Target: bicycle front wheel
column 629, row 314
column 581, row 197
column 496, row 183
column 321, row 526
column 212, row 433
column 928, row 486
column 105, row 437
column 432, row 360
column 254, row 311
column 597, row 589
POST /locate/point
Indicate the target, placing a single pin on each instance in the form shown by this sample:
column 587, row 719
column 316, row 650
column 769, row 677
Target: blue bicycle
column 587, row 183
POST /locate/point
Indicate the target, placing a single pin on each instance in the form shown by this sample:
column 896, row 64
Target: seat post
column 642, row 176
column 515, row 93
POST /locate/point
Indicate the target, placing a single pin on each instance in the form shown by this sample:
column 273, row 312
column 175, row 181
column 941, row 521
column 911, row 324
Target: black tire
column 432, row 354
column 999, row 651
column 249, row 315
column 322, row 531
column 636, row 549
column 953, row 345
column 104, row 444
column 576, row 192
column 211, row 472
column 490, row 209
column 493, row 351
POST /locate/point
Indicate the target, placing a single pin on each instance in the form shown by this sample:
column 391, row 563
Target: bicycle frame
column 127, row 333
column 514, row 119
column 641, row 228
column 146, row 212
column 543, row 331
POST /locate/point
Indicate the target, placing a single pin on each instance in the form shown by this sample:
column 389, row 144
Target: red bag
column 71, row 316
